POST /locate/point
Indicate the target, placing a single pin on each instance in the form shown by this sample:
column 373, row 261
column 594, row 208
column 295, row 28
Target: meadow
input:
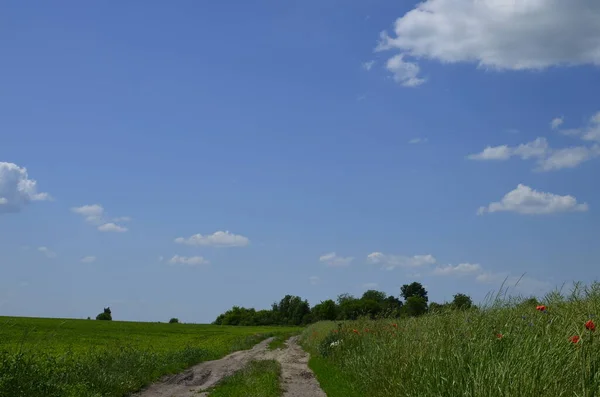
column 67, row 357
column 508, row 348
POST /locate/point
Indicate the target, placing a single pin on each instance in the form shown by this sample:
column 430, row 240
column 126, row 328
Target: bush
column 174, row 320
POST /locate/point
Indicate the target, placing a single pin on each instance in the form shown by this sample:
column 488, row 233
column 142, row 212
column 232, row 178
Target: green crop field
column 65, row 357
column 507, row 349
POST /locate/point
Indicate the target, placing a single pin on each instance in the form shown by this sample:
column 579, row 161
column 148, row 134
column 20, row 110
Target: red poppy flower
column 574, row 339
column 590, row 325
column 541, row 308
column 499, row 336
column 355, row 331
column 335, row 331
column 395, row 325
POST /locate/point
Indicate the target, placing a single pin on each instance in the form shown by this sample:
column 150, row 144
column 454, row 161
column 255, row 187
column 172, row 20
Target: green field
column 507, row 349
column 62, row 357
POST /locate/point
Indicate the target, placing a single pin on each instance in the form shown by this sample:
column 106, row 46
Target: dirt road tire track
column 297, row 380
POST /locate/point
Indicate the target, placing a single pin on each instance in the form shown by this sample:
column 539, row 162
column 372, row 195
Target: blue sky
column 175, row 160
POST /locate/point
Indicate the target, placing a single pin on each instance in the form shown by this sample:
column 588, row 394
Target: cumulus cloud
column 188, row 260
column 88, row 259
column 525, row 200
column 557, row 122
column 589, row 132
column 390, row 262
column 569, row 157
column 314, row 280
column 499, row 34
column 92, row 213
column 95, row 214
column 112, row 227
column 46, row 251
column 405, row 73
column 368, row 65
column 16, row 189
column 334, row 260
column 217, row 239
column 547, row 159
column 458, row 270
column 415, row 141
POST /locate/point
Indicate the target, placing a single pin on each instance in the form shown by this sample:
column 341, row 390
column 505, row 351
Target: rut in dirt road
column 297, row 380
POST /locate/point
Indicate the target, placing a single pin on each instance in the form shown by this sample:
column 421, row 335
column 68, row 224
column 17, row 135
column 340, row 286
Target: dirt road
column 297, row 379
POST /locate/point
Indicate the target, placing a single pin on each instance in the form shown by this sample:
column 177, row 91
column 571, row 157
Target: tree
column 106, row 315
column 374, row 295
column 292, row 310
column 415, row 306
column 174, row 320
column 326, row 310
column 413, row 290
column 391, row 306
column 462, row 302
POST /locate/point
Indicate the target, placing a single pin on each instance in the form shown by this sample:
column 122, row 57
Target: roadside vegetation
column 81, row 358
column 257, row 379
column 510, row 347
column 293, row 310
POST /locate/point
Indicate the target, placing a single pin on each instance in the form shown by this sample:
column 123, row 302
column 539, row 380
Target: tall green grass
column 80, row 358
column 505, row 349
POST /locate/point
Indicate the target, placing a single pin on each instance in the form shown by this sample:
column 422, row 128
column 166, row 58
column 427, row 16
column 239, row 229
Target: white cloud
column 370, row 285
column 16, row 189
column 88, row 259
column 46, row 251
column 92, row 213
column 332, row 259
column 217, row 239
column 111, row 227
column 492, row 153
column 368, row 65
column 415, row 141
column 95, row 214
column 547, row 159
column 314, row 280
column 390, row 262
column 568, row 157
column 525, row 200
column 590, row 132
column 557, row 122
column 188, row 260
column 460, row 269
column 405, row 73
column 500, row 34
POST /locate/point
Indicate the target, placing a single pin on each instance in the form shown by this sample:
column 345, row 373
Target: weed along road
column 297, row 380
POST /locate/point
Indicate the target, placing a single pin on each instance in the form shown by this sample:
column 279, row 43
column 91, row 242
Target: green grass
column 278, row 341
column 462, row 353
column 61, row 357
column 257, row 379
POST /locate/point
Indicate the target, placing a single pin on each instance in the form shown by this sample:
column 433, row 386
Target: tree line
column 293, row 310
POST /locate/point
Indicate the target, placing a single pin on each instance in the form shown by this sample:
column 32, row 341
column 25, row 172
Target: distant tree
column 415, row 306
column 391, row 306
column 374, row 295
column 326, row 310
column 89, row 318
column 344, row 298
column 291, row 310
column 462, row 302
column 106, row 315
column 174, row 320
column 349, row 308
column 414, row 289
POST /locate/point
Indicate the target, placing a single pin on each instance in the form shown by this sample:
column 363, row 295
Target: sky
column 176, row 159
